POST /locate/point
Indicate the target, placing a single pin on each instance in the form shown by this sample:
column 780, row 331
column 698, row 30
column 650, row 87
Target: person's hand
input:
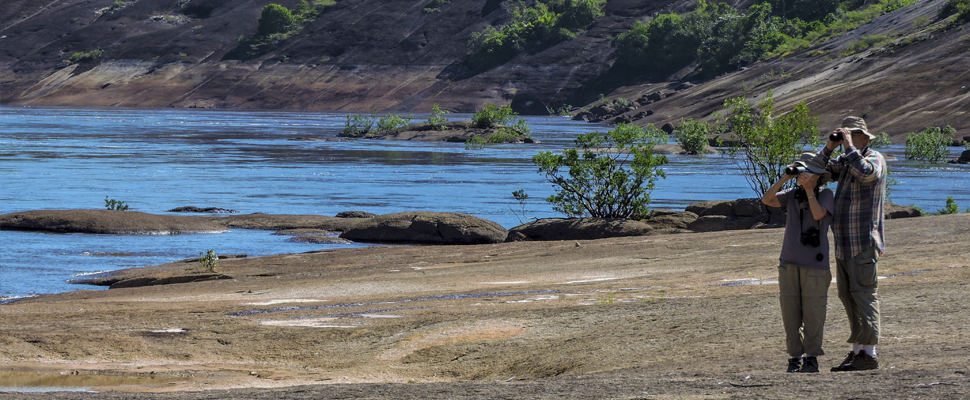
column 807, row 181
column 847, row 139
column 832, row 144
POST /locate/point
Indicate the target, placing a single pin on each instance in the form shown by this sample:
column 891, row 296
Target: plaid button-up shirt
column 859, row 198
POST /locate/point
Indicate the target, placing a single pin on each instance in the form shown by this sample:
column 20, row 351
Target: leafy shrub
column 762, row 145
column 208, row 260
column 437, row 118
column 435, row 5
column 492, row 115
column 692, row 135
column 606, row 175
column 959, row 7
column 112, row 204
column 930, row 144
column 86, row 56
column 358, row 125
column 391, row 122
column 881, row 141
column 545, row 22
column 951, row 207
column 275, row 19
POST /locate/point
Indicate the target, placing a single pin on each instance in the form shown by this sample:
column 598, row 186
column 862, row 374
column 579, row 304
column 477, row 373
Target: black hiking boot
column 810, row 365
column 846, row 363
column 794, row 364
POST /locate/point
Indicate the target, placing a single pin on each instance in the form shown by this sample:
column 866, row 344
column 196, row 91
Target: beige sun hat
column 856, row 124
column 814, row 164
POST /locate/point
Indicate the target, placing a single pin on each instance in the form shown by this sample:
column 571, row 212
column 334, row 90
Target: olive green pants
column 857, row 283
column 804, row 295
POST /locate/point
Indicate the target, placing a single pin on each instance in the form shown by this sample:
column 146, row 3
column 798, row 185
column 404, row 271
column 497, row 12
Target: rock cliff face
column 391, row 56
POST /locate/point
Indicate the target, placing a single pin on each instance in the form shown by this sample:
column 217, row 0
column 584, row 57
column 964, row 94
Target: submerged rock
column 577, row 229
column 108, row 222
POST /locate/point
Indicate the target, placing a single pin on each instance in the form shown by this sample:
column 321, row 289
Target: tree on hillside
column 275, row 19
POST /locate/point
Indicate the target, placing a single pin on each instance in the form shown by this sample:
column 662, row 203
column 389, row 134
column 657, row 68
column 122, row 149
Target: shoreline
column 602, row 317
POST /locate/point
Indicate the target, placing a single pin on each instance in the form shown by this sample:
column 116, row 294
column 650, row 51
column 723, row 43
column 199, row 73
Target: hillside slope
column 367, row 55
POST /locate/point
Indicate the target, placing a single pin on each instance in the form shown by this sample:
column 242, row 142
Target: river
column 260, row 161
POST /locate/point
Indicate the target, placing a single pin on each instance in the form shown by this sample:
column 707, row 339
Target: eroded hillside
column 369, row 55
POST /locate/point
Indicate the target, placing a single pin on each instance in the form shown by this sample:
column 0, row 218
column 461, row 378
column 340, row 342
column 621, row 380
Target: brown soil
column 681, row 316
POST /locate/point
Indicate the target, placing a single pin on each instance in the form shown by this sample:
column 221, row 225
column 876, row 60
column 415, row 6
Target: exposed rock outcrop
column 209, row 210
column 453, row 131
column 355, row 214
column 577, row 229
column 276, row 222
column 426, row 228
column 108, row 222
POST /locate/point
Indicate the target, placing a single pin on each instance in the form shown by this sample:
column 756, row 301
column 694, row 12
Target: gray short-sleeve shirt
column 792, row 250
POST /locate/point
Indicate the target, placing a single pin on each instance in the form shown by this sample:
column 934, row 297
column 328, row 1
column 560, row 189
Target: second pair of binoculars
column 836, row 136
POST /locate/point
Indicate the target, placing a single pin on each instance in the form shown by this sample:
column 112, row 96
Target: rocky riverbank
column 689, row 315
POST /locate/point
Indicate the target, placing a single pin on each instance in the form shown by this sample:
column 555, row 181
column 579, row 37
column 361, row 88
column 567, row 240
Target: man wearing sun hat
column 858, row 232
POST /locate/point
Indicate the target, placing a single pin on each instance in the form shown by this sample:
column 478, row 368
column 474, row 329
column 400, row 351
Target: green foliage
column 86, row 56
column 392, row 123
column 475, row 143
column 275, row 19
column 691, row 135
column 930, row 144
column 491, row 116
column 959, row 7
column 435, row 5
column 606, row 175
column 881, row 141
column 719, row 38
column 966, row 144
column 112, row 204
column 437, row 118
column 951, row 207
column 866, row 43
column 358, row 125
column 545, row 22
column 208, row 260
column 762, row 145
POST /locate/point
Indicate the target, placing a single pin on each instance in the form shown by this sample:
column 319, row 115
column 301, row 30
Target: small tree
column 209, row 260
column 930, row 144
column 607, row 175
column 692, row 135
column 437, row 118
column 275, row 19
column 761, row 144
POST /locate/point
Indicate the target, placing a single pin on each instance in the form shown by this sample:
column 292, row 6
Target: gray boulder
column 577, row 229
column 355, row 214
column 669, row 219
column 710, row 223
column 896, row 211
column 426, row 228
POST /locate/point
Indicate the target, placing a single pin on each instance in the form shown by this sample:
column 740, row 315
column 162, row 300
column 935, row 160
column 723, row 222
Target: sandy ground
column 682, row 316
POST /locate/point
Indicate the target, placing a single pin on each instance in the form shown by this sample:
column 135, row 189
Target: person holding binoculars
column 803, row 270
column 858, row 233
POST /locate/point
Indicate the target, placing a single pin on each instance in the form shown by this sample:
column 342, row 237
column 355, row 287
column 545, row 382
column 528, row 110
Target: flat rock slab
column 108, row 222
column 278, row 222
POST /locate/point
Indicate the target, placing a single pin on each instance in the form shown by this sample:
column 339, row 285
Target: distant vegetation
column 959, row 7
column 930, row 144
column 276, row 24
column 85, row 56
column 545, row 23
column 719, row 38
column 115, row 205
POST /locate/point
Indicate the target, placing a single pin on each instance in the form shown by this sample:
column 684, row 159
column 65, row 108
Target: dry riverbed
column 679, row 316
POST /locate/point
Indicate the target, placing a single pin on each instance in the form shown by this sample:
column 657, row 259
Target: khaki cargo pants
column 857, row 283
column 804, row 295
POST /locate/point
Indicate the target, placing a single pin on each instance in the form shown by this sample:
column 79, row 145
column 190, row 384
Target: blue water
column 249, row 161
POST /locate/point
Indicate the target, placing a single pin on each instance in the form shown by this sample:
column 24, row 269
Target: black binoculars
column 836, row 136
column 794, row 170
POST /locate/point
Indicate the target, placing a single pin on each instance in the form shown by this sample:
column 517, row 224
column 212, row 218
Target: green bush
column 275, row 19
column 208, row 260
column 545, row 22
column 112, row 204
column 358, row 125
column 86, row 56
column 435, row 5
column 492, row 115
column 391, row 123
column 881, row 141
column 437, row 118
column 606, row 175
column 692, row 135
column 959, row 7
column 930, row 144
column 761, row 144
